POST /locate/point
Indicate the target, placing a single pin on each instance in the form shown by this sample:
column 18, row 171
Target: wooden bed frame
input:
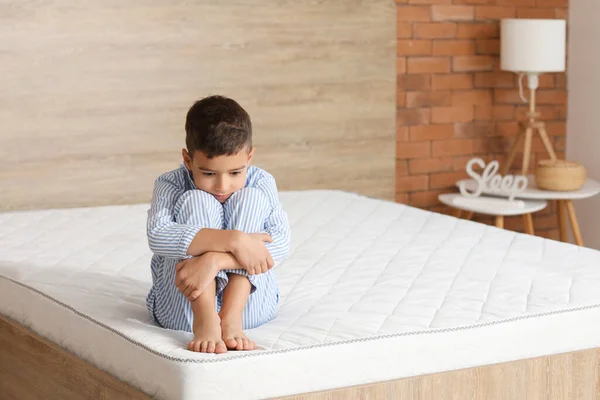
column 32, row 367
column 92, row 110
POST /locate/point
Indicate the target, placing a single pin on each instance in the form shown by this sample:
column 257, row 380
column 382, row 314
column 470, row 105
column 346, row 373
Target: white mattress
column 373, row 291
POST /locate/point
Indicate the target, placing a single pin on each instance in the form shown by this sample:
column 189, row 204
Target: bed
column 379, row 300
column 373, row 292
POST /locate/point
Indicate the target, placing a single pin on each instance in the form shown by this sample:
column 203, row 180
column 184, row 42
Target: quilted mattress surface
column 372, row 291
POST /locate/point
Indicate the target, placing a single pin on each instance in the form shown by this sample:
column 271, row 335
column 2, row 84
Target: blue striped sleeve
column 276, row 224
column 166, row 237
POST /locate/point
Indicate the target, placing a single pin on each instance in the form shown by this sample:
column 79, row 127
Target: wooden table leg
column 528, row 223
column 500, row 221
column 562, row 221
column 456, row 213
column 469, row 215
column 574, row 223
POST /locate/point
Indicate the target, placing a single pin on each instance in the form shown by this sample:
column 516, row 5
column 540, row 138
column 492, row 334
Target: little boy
column 216, row 227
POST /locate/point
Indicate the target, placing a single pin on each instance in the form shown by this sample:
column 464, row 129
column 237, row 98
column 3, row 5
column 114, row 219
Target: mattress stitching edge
column 307, row 347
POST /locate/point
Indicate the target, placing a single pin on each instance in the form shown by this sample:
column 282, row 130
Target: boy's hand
column 195, row 274
column 250, row 251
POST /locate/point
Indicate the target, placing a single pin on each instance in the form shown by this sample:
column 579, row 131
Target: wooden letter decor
column 492, row 183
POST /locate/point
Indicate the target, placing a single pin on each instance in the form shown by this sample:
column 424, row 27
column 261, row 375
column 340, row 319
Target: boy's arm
column 208, row 239
column 276, row 224
column 170, row 239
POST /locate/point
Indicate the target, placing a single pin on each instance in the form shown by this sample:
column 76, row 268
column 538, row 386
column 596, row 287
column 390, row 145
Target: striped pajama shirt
column 179, row 211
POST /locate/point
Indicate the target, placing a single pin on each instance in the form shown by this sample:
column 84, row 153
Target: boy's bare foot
column 207, row 336
column 233, row 335
column 207, row 324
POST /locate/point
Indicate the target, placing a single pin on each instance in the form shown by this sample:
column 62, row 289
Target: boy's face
column 220, row 176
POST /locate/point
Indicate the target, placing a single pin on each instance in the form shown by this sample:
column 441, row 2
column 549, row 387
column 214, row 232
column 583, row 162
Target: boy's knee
column 196, row 207
column 247, row 195
column 246, row 210
column 196, row 196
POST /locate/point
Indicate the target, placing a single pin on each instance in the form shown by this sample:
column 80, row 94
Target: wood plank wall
column 93, row 96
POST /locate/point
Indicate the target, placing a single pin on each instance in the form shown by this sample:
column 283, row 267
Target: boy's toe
column 194, row 345
column 231, row 343
column 244, row 344
column 220, row 348
column 210, row 348
column 240, row 344
column 204, row 346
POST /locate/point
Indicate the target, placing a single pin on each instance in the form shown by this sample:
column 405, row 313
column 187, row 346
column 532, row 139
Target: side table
column 498, row 209
column 563, row 201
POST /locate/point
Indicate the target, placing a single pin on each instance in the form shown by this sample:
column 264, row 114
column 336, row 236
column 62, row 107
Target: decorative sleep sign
column 493, row 183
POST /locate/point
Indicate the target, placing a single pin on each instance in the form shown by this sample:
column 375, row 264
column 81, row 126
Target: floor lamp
column 530, row 47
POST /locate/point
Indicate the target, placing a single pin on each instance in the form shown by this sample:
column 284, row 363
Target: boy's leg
column 207, row 324
column 246, row 211
column 171, row 308
column 251, row 300
column 234, row 301
column 196, row 207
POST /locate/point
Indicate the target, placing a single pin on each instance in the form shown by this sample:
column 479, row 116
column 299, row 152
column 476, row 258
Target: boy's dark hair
column 217, row 126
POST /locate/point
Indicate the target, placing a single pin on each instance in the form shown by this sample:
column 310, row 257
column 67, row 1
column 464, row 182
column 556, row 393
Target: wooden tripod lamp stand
column 531, row 47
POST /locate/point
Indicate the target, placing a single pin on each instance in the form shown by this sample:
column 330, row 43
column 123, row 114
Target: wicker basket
column 559, row 175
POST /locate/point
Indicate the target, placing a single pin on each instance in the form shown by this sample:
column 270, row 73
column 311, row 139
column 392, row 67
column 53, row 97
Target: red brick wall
column 454, row 103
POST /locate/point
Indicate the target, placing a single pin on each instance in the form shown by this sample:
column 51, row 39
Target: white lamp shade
column 533, row 45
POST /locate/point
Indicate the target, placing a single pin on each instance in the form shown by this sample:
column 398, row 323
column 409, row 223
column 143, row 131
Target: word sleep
column 490, row 182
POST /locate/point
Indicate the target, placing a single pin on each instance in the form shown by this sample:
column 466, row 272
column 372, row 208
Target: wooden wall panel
column 93, row 96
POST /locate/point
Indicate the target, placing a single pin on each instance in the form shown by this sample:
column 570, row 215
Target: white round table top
column 589, row 189
column 481, row 205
